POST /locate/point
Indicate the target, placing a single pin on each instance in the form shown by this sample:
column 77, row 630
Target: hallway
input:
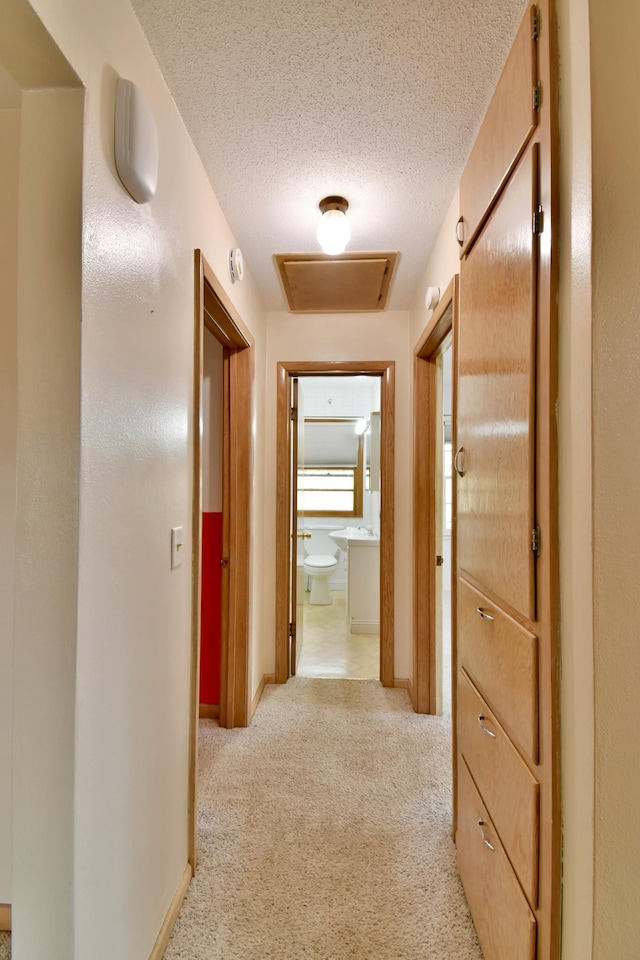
column 325, row 833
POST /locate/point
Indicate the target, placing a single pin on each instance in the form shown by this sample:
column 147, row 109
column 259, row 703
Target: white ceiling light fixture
column 333, row 231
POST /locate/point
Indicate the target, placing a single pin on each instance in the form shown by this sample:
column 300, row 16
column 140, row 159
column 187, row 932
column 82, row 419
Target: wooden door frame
column 442, row 323
column 385, row 369
column 215, row 311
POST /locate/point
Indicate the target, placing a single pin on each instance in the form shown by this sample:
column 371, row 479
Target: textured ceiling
column 288, row 101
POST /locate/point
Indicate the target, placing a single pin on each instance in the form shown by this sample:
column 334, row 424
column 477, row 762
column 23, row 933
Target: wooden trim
column 212, row 304
column 386, row 371
column 209, row 711
column 403, row 683
column 282, row 259
column 387, row 540
column 439, row 324
column 283, row 497
column 226, row 699
column 241, row 375
column 196, row 556
column 430, row 345
column 160, row 945
column 5, row 917
column 266, row 678
column 228, row 320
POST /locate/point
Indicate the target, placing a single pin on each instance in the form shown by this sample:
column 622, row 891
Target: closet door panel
column 496, row 398
column 508, row 124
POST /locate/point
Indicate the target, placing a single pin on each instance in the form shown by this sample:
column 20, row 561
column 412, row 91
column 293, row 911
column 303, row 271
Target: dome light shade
column 333, row 231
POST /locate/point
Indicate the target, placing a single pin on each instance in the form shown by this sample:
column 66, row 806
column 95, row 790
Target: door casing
column 385, row 369
column 441, row 328
column 214, row 310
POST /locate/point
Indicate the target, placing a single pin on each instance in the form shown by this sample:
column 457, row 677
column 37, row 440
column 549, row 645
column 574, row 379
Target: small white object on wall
column 235, row 264
column 177, row 546
column 136, row 142
column 432, row 297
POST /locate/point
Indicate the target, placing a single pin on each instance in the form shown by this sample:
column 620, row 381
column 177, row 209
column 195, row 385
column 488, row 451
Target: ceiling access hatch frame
column 347, row 283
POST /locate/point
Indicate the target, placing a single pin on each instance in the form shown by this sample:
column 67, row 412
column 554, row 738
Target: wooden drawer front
column 505, row 924
column 508, row 124
column 501, row 657
column 508, row 788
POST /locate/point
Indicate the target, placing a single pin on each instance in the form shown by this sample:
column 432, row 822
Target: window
column 330, row 480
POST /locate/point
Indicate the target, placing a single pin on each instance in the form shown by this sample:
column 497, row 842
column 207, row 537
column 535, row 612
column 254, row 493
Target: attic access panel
column 317, row 283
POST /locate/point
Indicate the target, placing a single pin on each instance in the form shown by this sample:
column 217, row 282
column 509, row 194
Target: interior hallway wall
column 615, row 124
column 9, row 169
column 575, row 481
column 129, row 721
column 47, row 522
column 443, row 264
column 356, row 336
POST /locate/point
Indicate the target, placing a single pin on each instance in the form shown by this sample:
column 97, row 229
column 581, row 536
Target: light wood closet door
column 496, row 398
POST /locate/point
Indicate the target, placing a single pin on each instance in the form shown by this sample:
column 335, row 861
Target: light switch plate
column 177, row 546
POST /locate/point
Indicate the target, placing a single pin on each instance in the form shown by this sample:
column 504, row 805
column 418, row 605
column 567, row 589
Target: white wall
column 575, row 488
column 125, row 790
column 47, row 516
column 377, row 336
column 615, row 126
column 9, row 163
column 443, row 264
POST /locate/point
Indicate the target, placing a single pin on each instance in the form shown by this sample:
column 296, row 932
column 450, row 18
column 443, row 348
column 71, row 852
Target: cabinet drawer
column 501, row 657
column 505, row 925
column 507, row 786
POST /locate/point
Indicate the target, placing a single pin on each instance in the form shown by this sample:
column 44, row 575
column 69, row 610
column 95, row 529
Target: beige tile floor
column 330, row 650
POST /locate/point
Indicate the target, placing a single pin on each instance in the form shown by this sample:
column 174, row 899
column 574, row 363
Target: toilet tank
column 320, row 543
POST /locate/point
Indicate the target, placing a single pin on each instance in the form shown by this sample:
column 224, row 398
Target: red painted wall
column 210, row 608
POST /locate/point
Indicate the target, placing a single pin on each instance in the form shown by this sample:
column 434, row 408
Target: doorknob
column 458, row 462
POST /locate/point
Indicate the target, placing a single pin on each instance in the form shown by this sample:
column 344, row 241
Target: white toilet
column 319, row 567
column 320, row 563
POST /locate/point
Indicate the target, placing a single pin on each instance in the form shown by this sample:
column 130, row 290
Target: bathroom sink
column 353, row 535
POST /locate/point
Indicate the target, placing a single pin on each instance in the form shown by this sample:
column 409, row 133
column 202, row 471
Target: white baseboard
column 365, row 626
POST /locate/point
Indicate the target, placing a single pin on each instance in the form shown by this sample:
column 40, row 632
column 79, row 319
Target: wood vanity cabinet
column 505, row 714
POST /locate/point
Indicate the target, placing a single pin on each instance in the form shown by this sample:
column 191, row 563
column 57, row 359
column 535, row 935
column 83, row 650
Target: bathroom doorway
column 345, row 473
column 337, row 492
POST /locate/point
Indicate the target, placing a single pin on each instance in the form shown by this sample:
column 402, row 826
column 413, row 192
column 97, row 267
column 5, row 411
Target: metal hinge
column 292, row 629
column 294, row 413
column 538, row 220
column 537, row 96
column 439, row 561
column 535, row 540
column 535, row 24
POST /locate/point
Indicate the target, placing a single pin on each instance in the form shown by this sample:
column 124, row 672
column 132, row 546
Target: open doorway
column 292, row 521
column 337, row 491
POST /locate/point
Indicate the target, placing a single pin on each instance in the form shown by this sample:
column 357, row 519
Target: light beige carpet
column 5, row 946
column 325, row 833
